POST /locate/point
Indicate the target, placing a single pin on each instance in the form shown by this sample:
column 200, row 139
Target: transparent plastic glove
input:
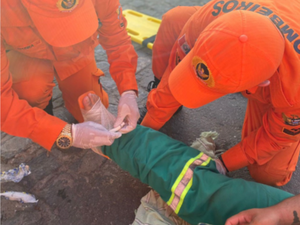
column 220, row 167
column 128, row 112
column 90, row 135
column 95, row 111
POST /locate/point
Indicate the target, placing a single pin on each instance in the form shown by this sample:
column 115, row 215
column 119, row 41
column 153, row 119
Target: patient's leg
column 187, row 179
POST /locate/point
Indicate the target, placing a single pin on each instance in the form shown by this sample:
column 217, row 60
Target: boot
column 49, row 108
column 143, row 110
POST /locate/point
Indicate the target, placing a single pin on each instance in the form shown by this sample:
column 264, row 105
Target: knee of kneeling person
column 272, row 178
column 36, row 93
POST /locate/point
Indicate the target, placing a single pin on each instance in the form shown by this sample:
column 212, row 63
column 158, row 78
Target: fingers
column 89, row 101
column 94, row 98
column 113, row 136
column 241, row 218
column 86, row 102
column 129, row 116
column 118, row 127
column 90, row 134
column 127, row 129
column 120, row 119
column 123, row 112
column 105, row 138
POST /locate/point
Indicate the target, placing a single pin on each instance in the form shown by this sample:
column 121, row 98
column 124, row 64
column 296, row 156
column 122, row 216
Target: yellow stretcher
column 141, row 28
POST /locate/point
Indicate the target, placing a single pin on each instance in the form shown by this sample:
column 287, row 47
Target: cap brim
column 68, row 30
column 187, row 88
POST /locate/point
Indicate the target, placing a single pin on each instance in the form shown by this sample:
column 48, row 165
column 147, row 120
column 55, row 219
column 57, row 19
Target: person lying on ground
column 189, row 181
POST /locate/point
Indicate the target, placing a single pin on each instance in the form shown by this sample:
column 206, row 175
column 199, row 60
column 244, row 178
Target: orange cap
column 63, row 22
column 235, row 52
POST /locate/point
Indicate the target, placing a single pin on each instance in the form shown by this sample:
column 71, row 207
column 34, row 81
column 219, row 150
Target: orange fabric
column 19, row 33
column 31, row 74
column 274, row 125
column 283, row 153
column 79, row 83
column 161, row 104
column 167, row 34
column 235, row 37
column 63, row 23
column 279, row 170
column 235, row 158
column 18, row 118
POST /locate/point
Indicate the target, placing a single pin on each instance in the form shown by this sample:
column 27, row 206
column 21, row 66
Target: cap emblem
column 202, row 71
column 66, row 5
column 293, row 120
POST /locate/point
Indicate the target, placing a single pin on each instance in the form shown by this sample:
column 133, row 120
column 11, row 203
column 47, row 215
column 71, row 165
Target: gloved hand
column 220, row 166
column 128, row 112
column 89, row 135
column 94, row 110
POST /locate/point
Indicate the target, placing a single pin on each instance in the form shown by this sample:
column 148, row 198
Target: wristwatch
column 64, row 140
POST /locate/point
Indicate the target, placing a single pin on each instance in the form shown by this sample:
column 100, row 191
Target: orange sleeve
column 280, row 129
column 18, row 118
column 161, row 104
column 114, row 39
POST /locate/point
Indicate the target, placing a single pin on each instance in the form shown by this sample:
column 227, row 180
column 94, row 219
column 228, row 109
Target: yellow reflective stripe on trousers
column 179, row 178
column 185, row 180
column 188, row 188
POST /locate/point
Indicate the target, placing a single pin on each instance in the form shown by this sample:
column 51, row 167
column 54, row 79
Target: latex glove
column 95, row 111
column 128, row 112
column 89, row 135
column 220, row 166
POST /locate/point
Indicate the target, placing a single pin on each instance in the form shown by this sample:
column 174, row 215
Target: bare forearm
column 289, row 211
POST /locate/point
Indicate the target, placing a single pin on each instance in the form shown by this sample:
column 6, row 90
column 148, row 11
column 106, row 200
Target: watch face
column 64, row 142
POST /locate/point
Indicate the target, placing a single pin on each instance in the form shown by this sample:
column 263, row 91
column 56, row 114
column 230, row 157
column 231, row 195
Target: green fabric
column 157, row 160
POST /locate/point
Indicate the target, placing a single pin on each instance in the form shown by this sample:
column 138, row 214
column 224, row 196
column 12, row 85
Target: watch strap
column 67, row 129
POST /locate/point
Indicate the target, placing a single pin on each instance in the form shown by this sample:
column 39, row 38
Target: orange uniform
column 271, row 132
column 33, row 53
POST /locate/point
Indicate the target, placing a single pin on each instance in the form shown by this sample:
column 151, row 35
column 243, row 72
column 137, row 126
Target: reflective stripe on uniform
column 185, row 180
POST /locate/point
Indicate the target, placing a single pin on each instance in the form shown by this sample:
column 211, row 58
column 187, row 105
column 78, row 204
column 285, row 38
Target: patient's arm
column 187, row 179
column 286, row 212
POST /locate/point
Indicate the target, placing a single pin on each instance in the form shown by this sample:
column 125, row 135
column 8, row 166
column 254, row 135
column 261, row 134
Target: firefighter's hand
column 128, row 112
column 90, row 134
column 220, row 166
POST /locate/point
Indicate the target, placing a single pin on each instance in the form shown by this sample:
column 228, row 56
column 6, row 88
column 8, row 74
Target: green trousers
column 187, row 179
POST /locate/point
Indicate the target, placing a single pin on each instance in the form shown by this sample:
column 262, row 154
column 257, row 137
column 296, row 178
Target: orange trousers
column 169, row 30
column 160, row 98
column 277, row 171
column 33, row 80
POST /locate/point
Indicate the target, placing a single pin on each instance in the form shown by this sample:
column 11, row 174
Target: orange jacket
column 19, row 33
column 281, row 124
